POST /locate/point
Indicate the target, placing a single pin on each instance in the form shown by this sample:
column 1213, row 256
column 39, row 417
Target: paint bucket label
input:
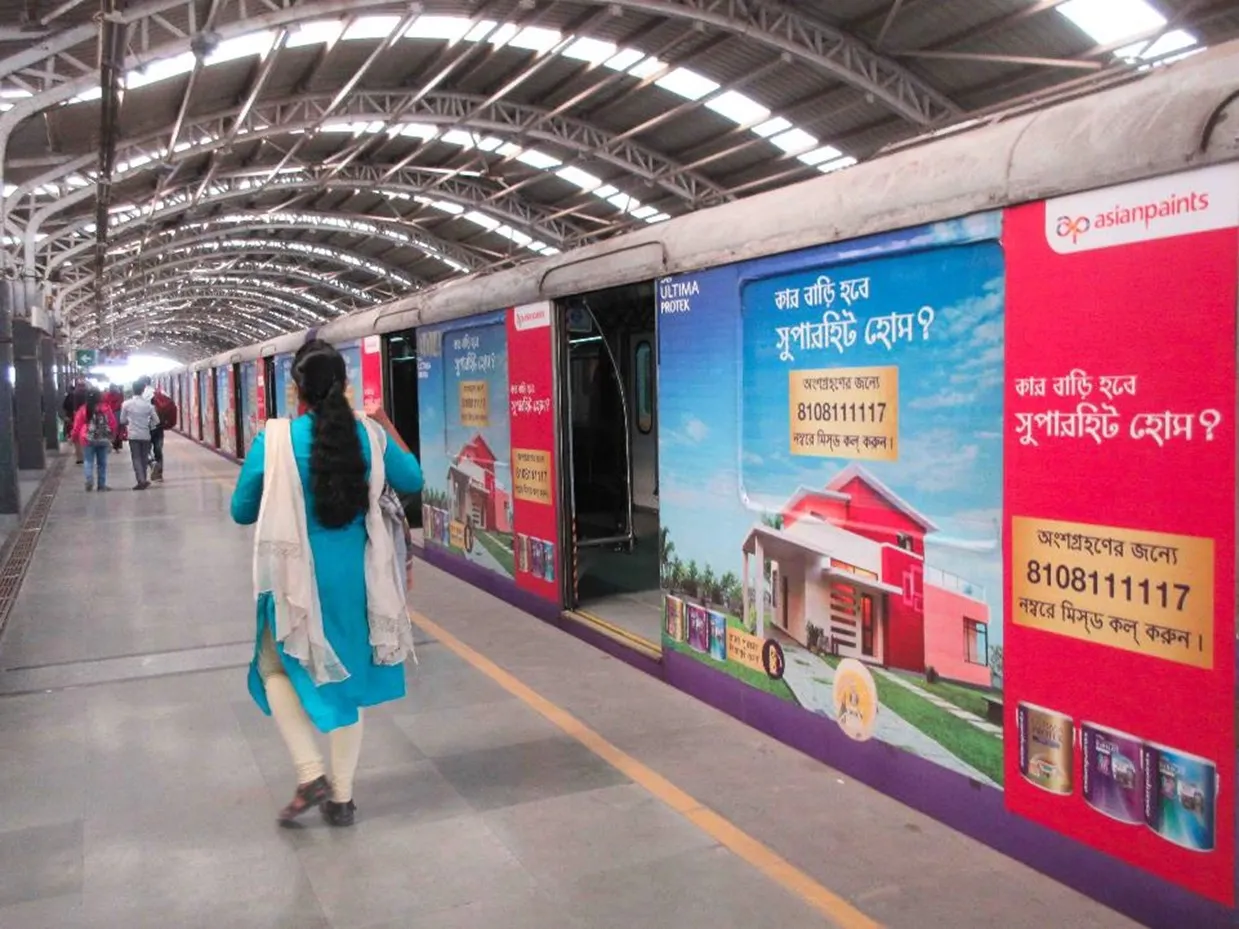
column 548, row 561
column 1047, row 740
column 1113, row 773
column 673, row 618
column 718, row 636
column 698, row 627
column 1180, row 797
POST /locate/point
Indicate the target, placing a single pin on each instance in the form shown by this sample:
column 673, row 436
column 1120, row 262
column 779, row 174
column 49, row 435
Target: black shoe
column 307, row 796
column 339, row 814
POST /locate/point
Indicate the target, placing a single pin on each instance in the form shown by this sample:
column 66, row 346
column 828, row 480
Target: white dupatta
column 284, row 564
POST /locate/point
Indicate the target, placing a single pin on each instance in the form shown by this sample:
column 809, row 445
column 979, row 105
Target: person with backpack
column 95, row 429
column 115, row 399
column 332, row 627
column 74, row 400
column 165, row 408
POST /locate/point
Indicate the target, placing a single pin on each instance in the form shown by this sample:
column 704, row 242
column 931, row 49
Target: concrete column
column 10, row 499
column 51, row 395
column 29, row 397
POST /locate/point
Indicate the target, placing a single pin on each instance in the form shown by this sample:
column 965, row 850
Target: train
column 871, row 460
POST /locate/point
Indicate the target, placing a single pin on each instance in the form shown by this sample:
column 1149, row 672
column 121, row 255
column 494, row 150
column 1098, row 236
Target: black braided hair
column 337, row 466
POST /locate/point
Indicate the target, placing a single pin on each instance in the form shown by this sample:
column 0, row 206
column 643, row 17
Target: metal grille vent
column 16, row 559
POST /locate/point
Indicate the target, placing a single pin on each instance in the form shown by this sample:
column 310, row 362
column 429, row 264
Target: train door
column 241, row 410
column 268, row 386
column 400, row 401
column 608, row 365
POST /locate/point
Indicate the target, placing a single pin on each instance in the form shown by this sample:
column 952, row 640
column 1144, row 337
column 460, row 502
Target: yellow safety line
column 616, row 632
column 764, row 859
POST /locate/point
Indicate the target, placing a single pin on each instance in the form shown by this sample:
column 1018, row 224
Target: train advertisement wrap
column 285, row 390
column 251, row 403
column 206, row 389
column 830, row 463
column 225, row 403
column 260, row 397
column 535, row 543
column 371, row 371
column 1118, row 510
column 190, row 385
column 465, row 440
column 355, row 392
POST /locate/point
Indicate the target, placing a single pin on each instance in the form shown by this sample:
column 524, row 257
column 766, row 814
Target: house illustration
column 849, row 562
column 476, row 496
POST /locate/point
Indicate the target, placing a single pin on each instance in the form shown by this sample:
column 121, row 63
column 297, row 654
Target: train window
column 645, row 387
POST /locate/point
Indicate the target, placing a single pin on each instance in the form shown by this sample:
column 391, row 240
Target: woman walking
column 325, row 577
column 94, row 430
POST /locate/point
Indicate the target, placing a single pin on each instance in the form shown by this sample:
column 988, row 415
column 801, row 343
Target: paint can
column 1112, row 778
column 698, row 627
column 548, row 561
column 1180, row 797
column 673, row 617
column 718, row 636
column 1047, row 741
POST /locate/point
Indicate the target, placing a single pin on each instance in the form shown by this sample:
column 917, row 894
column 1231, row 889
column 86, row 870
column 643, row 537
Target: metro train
column 885, row 440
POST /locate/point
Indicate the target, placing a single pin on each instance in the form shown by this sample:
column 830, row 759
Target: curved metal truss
column 207, row 244
column 403, row 188
column 398, row 235
column 252, row 317
column 163, row 28
column 304, row 309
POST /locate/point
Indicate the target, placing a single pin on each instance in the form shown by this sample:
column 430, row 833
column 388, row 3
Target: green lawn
column 963, row 697
column 963, row 740
column 502, row 553
column 757, row 679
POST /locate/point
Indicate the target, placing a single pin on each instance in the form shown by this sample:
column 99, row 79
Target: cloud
column 943, row 460
column 695, row 429
column 944, row 399
column 752, row 458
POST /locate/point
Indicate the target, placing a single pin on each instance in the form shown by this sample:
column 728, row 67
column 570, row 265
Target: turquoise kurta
column 339, row 571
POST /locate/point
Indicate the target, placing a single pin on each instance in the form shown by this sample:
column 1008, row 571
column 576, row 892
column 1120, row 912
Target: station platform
column 528, row 779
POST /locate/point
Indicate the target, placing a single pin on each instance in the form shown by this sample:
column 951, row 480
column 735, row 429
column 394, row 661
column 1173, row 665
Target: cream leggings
column 298, row 731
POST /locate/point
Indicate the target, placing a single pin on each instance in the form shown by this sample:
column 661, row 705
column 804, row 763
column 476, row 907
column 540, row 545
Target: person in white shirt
column 138, row 414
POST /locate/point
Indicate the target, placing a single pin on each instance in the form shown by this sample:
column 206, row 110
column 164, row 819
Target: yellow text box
column 745, row 649
column 531, row 475
column 1141, row 591
column 844, row 412
column 474, row 404
column 456, row 534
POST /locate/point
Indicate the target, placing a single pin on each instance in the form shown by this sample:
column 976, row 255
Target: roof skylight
column 1109, row 21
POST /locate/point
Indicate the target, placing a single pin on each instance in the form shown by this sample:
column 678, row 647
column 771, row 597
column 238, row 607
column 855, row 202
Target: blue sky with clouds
column 723, row 404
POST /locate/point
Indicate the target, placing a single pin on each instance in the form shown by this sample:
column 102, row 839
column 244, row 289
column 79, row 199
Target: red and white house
column 477, row 497
column 850, row 561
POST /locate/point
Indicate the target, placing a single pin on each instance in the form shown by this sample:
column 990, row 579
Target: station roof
column 267, row 164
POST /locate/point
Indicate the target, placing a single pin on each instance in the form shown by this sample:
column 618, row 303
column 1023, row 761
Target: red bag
column 165, row 409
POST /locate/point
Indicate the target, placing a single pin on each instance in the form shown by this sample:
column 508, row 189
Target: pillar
column 10, row 499
column 51, row 394
column 28, row 395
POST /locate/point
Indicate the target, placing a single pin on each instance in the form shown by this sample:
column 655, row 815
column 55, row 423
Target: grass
column 500, row 552
column 755, row 679
column 963, row 697
column 961, row 739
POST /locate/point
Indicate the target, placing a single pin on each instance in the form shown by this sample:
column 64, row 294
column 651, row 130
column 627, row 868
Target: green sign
column 85, row 357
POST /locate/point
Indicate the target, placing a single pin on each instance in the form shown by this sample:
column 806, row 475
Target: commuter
column 75, row 398
column 326, row 582
column 138, row 416
column 115, row 399
column 165, row 407
column 94, row 427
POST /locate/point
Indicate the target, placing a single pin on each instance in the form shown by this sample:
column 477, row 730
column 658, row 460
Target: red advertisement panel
column 372, row 370
column 260, row 401
column 1119, row 508
column 535, row 540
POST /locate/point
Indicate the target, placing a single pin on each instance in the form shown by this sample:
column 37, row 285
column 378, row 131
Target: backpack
column 166, row 410
column 99, row 430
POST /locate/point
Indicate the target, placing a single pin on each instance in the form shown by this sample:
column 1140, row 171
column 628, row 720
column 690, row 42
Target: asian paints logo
column 1159, row 208
column 532, row 316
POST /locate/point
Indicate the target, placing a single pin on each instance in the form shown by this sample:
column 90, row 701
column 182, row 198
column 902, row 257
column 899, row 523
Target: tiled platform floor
column 140, row 784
